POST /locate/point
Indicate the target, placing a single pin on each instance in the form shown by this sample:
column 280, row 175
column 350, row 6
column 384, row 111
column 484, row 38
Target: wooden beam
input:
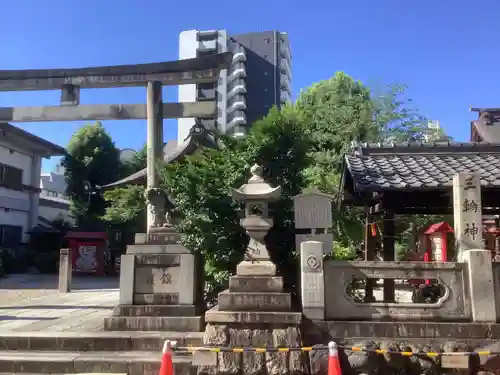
column 388, row 251
column 104, row 112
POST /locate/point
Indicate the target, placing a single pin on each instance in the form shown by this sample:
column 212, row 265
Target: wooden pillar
column 154, row 107
column 388, row 252
column 370, row 242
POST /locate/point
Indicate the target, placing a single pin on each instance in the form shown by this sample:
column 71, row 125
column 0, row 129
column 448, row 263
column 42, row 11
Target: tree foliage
column 337, row 112
column 137, row 163
column 92, row 160
column 201, row 187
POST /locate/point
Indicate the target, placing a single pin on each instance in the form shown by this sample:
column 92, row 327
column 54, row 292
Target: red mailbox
column 88, row 251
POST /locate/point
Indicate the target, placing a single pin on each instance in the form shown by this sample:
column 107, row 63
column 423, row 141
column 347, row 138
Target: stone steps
column 95, row 341
column 154, row 323
column 65, row 362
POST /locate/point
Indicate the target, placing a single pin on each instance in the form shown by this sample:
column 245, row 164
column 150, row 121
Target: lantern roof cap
column 257, row 188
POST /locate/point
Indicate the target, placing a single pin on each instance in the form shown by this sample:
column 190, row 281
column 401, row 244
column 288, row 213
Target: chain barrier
column 250, row 349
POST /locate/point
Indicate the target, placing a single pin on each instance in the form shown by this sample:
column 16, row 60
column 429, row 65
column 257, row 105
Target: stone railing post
column 481, row 285
column 312, row 282
column 65, row 270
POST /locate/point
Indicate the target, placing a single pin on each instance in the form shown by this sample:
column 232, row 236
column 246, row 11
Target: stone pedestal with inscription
column 255, row 311
column 467, row 213
column 160, row 286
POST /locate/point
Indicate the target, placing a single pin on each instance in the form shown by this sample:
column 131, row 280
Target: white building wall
column 51, row 213
column 222, row 84
column 188, row 47
column 15, row 206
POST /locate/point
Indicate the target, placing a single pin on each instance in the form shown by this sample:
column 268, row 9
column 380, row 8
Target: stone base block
column 255, row 283
column 155, row 310
column 154, row 323
column 256, row 268
column 214, row 315
column 160, row 236
column 157, row 249
column 255, row 363
column 247, row 301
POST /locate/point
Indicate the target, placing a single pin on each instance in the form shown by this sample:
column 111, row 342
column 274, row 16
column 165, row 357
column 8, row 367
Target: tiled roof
column 198, row 137
column 487, row 125
column 427, row 166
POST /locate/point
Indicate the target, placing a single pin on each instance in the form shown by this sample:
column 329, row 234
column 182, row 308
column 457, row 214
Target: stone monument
column 255, row 311
column 467, row 212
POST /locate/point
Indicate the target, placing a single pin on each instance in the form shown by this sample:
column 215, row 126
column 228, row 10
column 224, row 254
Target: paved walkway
column 32, row 303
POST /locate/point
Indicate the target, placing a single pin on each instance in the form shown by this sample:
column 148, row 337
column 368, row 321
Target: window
column 11, row 177
column 10, row 235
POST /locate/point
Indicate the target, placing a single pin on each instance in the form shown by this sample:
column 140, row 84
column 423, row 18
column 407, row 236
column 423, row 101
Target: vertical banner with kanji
column 467, row 213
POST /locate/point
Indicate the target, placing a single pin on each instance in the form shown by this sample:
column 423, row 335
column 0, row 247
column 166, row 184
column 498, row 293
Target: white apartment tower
column 259, row 77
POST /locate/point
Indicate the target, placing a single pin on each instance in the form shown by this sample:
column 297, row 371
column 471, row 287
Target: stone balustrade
column 466, row 289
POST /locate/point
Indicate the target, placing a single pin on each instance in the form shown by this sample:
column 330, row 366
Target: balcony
column 237, row 86
column 207, row 34
column 238, row 70
column 285, row 83
column 235, row 119
column 239, row 54
column 207, row 46
column 285, row 97
column 206, row 93
column 286, row 68
column 285, row 51
column 238, row 102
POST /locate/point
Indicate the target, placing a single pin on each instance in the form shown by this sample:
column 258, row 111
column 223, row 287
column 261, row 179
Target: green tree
column 137, row 162
column 201, row 187
column 337, row 112
column 92, row 160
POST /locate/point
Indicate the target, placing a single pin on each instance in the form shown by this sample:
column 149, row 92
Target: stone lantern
column 255, row 296
column 256, row 194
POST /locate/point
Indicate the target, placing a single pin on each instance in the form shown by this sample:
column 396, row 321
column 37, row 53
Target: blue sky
column 445, row 51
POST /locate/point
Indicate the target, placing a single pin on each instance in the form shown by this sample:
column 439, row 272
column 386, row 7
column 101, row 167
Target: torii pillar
column 154, row 108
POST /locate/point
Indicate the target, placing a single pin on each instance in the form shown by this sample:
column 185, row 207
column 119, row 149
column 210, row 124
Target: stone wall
column 418, row 337
column 466, row 289
column 453, row 305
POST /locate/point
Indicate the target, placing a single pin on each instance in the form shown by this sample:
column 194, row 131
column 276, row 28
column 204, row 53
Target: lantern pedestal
column 255, row 311
column 256, row 268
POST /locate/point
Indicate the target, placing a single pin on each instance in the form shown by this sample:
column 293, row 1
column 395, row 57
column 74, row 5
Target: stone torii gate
column 153, row 76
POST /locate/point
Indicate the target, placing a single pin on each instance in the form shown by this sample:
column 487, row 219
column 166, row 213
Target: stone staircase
column 131, row 353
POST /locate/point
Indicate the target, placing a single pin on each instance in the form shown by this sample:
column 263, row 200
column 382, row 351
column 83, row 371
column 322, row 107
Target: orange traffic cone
column 167, row 366
column 333, row 359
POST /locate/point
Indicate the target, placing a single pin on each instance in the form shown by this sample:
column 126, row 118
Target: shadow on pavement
column 55, row 307
column 12, row 317
column 79, row 283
